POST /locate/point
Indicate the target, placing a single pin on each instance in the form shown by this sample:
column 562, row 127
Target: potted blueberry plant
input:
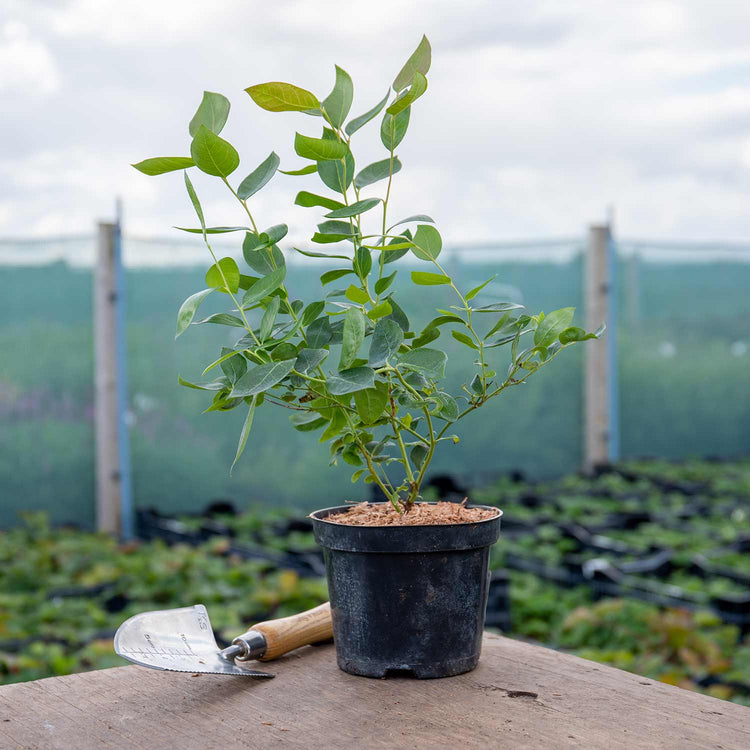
column 407, row 579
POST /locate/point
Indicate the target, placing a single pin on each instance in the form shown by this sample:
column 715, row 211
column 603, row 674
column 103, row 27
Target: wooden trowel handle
column 292, row 632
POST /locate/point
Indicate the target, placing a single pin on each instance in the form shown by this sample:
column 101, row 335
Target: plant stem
column 270, row 254
column 229, row 292
column 427, row 458
column 385, row 211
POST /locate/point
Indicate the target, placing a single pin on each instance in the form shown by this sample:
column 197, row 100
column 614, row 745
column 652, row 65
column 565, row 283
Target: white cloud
column 538, row 115
column 26, row 64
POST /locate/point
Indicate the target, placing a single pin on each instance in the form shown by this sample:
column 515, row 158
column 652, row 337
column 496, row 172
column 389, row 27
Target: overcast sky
column 538, row 114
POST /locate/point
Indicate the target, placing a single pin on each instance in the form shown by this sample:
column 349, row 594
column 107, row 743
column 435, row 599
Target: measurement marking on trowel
column 147, row 652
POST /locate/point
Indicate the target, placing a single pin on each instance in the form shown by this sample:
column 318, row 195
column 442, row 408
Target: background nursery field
column 644, row 567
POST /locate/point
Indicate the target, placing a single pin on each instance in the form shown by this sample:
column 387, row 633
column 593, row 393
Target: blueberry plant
column 349, row 364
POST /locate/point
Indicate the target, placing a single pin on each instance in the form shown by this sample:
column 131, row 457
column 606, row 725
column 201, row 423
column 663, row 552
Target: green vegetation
column 348, row 363
column 64, row 592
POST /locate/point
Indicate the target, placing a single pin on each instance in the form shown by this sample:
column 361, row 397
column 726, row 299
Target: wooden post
column 597, row 289
column 108, row 484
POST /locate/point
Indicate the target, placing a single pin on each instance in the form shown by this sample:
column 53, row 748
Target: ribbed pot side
column 407, row 599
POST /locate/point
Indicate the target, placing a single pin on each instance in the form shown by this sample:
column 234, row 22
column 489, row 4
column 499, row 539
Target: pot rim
column 329, row 510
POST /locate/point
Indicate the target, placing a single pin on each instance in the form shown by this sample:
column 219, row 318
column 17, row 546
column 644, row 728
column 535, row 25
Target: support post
column 113, row 494
column 601, row 429
column 105, row 368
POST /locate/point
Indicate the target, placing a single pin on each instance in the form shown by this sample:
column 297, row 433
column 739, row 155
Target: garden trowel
column 182, row 640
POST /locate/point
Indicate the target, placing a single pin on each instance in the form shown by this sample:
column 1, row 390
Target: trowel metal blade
column 179, row 640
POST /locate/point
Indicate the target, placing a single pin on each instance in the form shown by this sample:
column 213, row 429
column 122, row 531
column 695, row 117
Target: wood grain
column 287, row 633
column 520, row 696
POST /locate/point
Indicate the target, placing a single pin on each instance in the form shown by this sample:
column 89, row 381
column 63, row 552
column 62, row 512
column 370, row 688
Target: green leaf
column 336, row 175
column 442, row 320
column 362, row 262
column 464, row 339
column 371, row 402
column 410, row 219
column 393, row 128
column 318, row 333
column 380, row 311
column 226, row 354
column 417, row 88
column 309, row 169
column 187, row 310
column 473, row 293
column 355, row 209
column 498, row 307
column 261, row 259
column 350, row 381
column 337, row 227
column 309, row 359
column 427, row 242
column 264, row 286
column 418, row 454
column 234, row 366
column 282, row 97
column 335, row 426
column 258, row 177
column 228, row 267
column 163, row 164
column 355, row 294
column 245, row 432
column 261, row 378
column 447, row 408
column 396, row 249
column 419, row 62
column 269, row 318
column 553, row 324
column 569, row 335
column 307, row 421
column 272, row 235
column 223, row 319
column 429, row 362
column 356, row 123
column 309, row 200
column 213, row 230
column 311, row 254
column 335, row 274
column 391, row 246
column 354, row 335
column 196, row 203
column 216, row 385
column 312, row 311
column 212, row 154
column 380, row 170
column 386, row 339
column 398, row 315
column 319, row 149
column 503, row 322
column 382, row 284
column 329, row 239
column 283, row 352
column 338, row 103
column 212, row 112
column 429, row 279
column 424, row 338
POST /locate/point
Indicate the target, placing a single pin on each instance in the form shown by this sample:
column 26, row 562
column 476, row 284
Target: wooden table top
column 520, row 696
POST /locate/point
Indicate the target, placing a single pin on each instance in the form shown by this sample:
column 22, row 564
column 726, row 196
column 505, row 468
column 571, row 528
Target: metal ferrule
column 250, row 645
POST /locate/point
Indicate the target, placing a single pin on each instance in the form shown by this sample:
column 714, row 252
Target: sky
column 538, row 117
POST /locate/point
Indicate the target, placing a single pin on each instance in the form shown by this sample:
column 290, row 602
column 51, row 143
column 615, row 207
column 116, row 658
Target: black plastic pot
column 407, row 599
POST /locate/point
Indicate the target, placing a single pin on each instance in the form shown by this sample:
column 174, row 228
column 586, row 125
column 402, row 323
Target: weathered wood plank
column 520, row 696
